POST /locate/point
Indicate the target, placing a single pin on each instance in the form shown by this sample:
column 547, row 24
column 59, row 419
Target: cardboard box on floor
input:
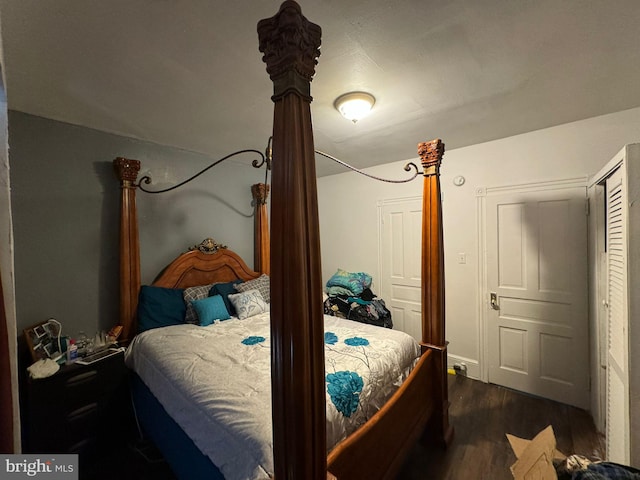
column 535, row 457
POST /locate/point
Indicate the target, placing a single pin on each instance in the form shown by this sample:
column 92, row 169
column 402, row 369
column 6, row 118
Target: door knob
column 494, row 301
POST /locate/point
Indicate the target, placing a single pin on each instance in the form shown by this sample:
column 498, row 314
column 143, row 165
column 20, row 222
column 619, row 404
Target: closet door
column 617, row 321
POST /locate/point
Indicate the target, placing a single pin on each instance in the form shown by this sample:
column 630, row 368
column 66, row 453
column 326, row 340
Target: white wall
column 348, row 205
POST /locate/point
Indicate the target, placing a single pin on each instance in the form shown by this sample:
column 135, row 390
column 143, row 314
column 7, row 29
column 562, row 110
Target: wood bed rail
column 127, row 172
column 433, row 313
column 403, row 419
column 261, row 248
column 290, row 44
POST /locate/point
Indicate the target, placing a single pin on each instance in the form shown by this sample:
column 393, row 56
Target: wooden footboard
column 379, row 447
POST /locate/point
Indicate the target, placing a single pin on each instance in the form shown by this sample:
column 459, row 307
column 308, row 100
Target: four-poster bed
column 298, row 386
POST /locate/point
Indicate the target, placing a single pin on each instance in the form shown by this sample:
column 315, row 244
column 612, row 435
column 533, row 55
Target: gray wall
column 65, row 202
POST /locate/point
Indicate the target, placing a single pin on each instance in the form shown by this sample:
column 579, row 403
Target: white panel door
column 400, row 259
column 537, row 328
column 617, row 321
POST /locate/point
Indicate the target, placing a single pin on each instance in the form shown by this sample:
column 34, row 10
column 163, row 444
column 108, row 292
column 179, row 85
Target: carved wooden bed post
column 290, row 44
column 127, row 172
column 433, row 317
column 261, row 249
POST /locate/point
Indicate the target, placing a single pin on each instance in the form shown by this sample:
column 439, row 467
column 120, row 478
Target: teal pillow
column 224, row 290
column 210, row 309
column 160, row 307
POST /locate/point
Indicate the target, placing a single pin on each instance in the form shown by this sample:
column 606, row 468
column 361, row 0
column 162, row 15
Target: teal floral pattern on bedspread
column 344, row 388
column 330, row 338
column 357, row 342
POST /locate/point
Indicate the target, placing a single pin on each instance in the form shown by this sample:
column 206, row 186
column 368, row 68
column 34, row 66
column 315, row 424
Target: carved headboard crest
column 208, row 246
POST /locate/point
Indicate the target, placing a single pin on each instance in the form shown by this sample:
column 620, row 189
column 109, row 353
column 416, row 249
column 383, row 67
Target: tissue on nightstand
column 43, row 368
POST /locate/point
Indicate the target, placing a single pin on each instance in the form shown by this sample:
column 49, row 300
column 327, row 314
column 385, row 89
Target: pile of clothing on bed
column 349, row 295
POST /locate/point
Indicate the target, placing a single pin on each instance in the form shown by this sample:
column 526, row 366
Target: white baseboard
column 473, row 367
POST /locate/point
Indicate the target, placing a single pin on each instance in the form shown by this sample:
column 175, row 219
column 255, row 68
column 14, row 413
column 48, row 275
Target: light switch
column 462, row 258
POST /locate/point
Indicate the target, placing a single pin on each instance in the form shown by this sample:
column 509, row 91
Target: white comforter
column 215, row 383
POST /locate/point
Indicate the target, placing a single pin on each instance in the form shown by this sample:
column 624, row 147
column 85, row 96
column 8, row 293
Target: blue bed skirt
column 185, row 459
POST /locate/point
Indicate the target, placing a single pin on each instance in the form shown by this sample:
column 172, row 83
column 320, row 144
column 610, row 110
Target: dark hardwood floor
column 481, row 415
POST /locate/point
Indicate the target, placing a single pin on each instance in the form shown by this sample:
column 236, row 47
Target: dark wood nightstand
column 80, row 409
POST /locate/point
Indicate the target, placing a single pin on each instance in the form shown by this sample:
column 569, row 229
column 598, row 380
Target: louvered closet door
column 617, row 320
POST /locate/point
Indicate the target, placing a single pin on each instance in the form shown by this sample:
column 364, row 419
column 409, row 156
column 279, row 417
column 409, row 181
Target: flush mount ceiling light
column 354, row 105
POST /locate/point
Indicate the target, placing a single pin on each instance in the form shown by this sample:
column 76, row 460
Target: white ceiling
column 189, row 74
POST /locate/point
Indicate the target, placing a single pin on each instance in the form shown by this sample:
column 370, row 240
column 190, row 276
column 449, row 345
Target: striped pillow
column 194, row 293
column 262, row 284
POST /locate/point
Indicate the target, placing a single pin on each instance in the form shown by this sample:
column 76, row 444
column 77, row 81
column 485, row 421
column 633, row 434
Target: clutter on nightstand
column 49, row 349
column 43, row 368
column 45, row 340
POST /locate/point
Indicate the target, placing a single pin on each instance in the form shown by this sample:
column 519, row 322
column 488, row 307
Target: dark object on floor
column 581, row 468
column 147, row 450
column 569, row 465
column 135, row 460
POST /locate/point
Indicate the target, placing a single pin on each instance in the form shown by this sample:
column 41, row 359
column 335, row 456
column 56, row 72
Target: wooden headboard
column 204, row 264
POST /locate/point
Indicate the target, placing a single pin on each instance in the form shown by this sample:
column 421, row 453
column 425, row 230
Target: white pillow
column 248, row 304
column 262, row 284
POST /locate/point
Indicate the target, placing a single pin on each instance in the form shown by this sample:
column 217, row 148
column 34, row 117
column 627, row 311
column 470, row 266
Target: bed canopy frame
column 419, row 409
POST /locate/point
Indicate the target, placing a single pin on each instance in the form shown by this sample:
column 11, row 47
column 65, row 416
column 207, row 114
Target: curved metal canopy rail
column 265, row 159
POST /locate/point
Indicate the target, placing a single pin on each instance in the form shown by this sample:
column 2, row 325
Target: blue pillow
column 210, row 309
column 160, row 307
column 224, row 290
